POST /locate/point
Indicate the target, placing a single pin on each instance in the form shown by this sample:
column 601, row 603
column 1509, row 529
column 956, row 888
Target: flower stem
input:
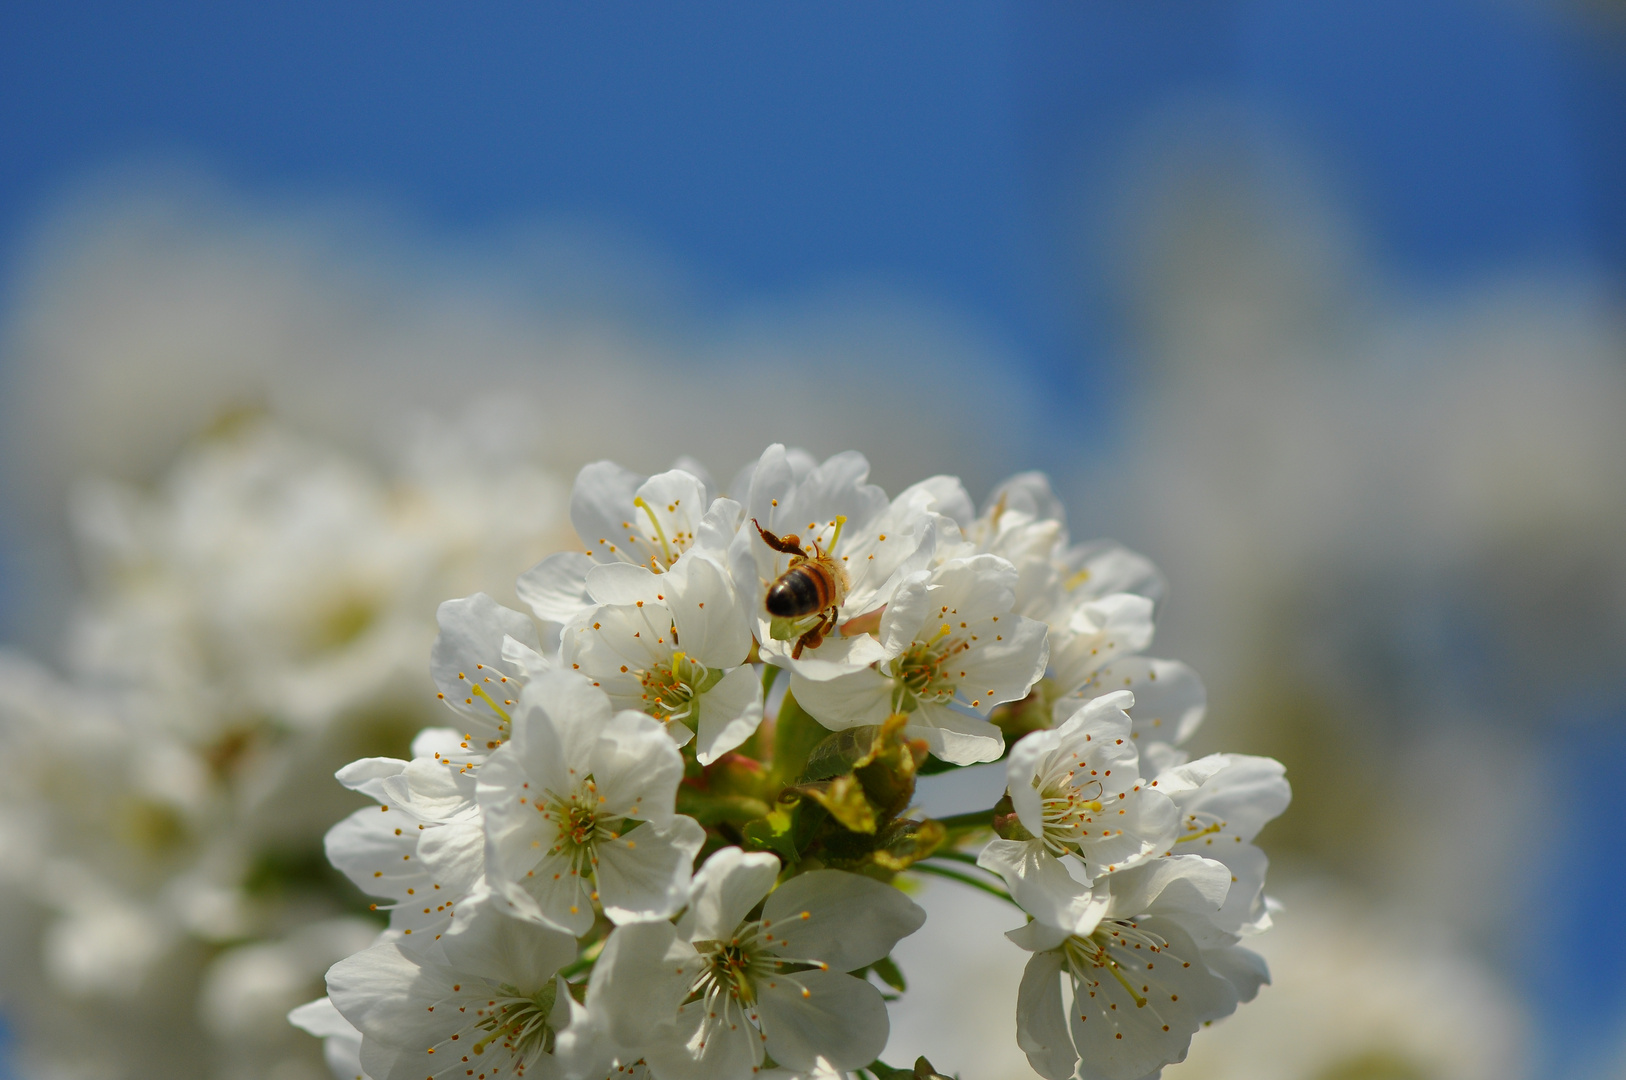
column 963, row 879
column 957, row 856
column 976, row 819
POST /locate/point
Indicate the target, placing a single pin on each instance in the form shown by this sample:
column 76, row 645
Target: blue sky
column 770, row 149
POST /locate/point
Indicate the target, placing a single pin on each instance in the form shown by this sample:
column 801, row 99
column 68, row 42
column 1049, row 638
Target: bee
column 813, row 585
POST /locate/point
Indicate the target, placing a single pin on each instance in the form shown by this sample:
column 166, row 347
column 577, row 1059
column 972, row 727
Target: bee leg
column 815, row 637
column 790, row 544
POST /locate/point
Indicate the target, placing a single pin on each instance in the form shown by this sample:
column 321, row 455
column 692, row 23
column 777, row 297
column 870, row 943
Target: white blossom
column 485, row 999
column 1140, row 983
column 869, row 544
column 622, row 519
column 422, row 847
column 773, row 984
column 482, row 657
column 1099, row 600
column 967, row 652
column 1083, row 809
column 578, row 810
column 1223, row 801
column 674, row 645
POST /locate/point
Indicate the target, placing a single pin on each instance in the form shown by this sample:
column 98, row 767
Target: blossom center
column 1116, row 948
column 518, row 1022
column 732, row 966
column 671, row 690
column 1069, row 812
column 735, row 969
column 922, row 674
column 581, row 824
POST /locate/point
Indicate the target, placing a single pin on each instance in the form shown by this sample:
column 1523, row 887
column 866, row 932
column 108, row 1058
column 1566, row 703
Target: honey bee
column 813, row 585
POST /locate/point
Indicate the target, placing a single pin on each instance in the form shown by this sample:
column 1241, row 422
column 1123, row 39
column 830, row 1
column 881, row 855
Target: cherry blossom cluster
column 250, row 620
column 672, row 830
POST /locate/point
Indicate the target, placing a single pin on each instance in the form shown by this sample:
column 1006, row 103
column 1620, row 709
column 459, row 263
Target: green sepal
column 773, row 833
column 839, row 751
column 844, row 798
column 795, row 734
column 906, row 842
column 782, row 629
column 888, row 971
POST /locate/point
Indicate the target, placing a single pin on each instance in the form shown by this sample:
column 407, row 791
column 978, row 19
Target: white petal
column 1242, row 968
column 1027, row 493
column 955, row 737
column 725, row 889
column 910, row 605
column 556, row 587
column 1103, row 567
column 644, row 874
column 1022, row 769
column 505, row 950
column 1176, row 884
column 822, row 1014
column 1177, row 997
column 454, row 856
column 1098, row 633
column 612, row 644
column 640, row 979
column 367, row 774
column 556, row 726
column 636, row 768
column 1041, row 1018
column 845, row 920
column 432, row 791
column 373, row 847
column 622, row 583
column 1245, row 794
column 1170, row 699
column 836, row 657
column 1004, row 663
column 678, row 501
column 1037, row 936
column 600, row 506
column 437, row 742
column 942, row 495
column 551, row 893
column 730, row 713
column 733, row 1050
column 385, row 993
column 853, row 700
column 471, row 633
column 713, row 626
column 1042, row 886
column 322, row 1019
column 718, row 527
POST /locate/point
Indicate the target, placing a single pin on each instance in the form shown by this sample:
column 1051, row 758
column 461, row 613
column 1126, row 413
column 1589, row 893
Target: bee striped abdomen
column 801, row 590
